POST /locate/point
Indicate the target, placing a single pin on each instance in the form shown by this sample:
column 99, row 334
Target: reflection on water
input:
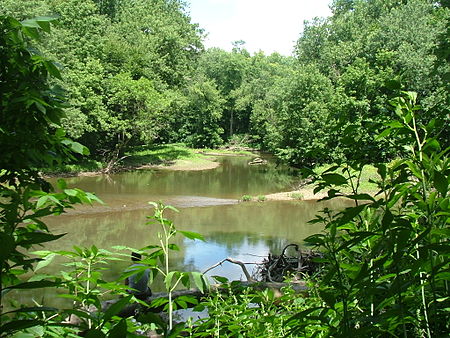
column 244, row 231
column 208, row 205
column 231, row 180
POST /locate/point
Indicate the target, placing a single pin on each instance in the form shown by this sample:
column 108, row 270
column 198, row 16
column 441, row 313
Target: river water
column 208, row 203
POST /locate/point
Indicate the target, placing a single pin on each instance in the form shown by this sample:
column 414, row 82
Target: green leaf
column 149, row 318
column 328, row 296
column 220, row 279
column 169, row 277
column 119, row 330
column 349, row 213
column 159, row 302
column 192, row 235
column 317, row 239
column 153, row 204
column 188, row 299
column 30, row 23
column 32, row 309
column 53, row 70
column 395, row 124
column 41, row 201
column 383, row 134
column 334, row 179
column 361, row 197
column 31, row 238
column 116, row 308
column 172, row 208
column 76, row 147
column 33, row 285
column 199, row 280
column 79, row 313
column 17, row 325
column 7, row 246
column 45, row 261
column 185, row 280
column 387, row 219
column 440, row 183
column 174, row 247
column 95, row 333
column 44, row 22
column 71, row 192
column 176, row 330
column 393, row 84
column 433, row 144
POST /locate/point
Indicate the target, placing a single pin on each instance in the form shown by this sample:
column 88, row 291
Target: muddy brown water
column 208, row 203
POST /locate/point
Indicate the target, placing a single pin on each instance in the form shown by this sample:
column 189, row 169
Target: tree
column 297, row 109
column 228, row 71
column 203, row 114
column 366, row 47
column 30, row 136
column 161, row 42
column 148, row 44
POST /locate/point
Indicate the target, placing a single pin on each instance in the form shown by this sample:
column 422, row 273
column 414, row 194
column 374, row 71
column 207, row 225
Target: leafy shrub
column 239, row 311
column 297, row 196
column 387, row 259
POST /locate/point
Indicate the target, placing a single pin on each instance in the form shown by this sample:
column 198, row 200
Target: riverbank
column 296, row 195
column 165, row 157
column 177, row 157
column 306, row 192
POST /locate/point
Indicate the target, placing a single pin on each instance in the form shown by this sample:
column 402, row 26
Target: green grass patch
column 158, row 154
column 170, row 153
column 137, row 156
column 368, row 172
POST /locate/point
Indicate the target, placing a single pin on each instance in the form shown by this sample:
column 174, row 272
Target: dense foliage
column 30, row 135
column 386, row 259
column 136, row 73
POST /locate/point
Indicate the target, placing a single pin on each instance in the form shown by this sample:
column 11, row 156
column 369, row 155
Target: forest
column 136, row 72
column 370, row 84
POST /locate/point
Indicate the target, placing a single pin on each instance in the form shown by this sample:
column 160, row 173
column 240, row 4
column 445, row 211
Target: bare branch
column 231, row 260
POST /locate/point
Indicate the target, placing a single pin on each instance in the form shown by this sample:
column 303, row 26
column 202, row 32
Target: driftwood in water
column 257, row 161
column 278, row 268
column 231, row 260
column 270, row 274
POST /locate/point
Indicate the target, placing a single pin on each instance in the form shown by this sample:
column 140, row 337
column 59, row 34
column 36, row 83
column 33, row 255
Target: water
column 208, row 204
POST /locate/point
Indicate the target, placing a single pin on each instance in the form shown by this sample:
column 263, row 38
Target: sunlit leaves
column 384, row 251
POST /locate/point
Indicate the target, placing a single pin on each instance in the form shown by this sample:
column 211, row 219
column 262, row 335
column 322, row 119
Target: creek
column 208, row 202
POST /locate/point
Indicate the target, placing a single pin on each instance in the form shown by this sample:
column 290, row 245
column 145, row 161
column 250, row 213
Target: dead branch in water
column 231, row 260
column 278, row 268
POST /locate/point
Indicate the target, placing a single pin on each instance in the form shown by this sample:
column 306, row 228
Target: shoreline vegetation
column 167, row 157
column 178, row 157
